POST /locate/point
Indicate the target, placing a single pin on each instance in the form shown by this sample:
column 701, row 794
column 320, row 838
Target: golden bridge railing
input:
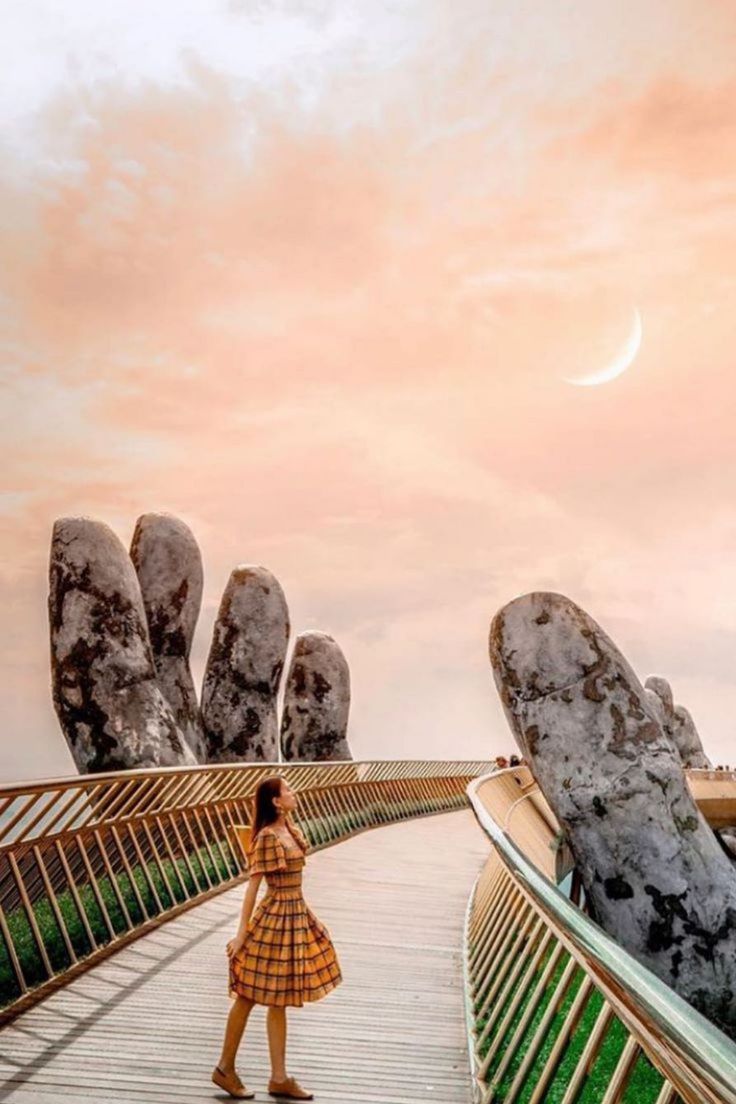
column 89, row 863
column 556, row 1011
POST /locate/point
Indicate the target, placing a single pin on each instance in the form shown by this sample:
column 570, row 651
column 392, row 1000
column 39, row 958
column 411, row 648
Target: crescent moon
column 617, row 367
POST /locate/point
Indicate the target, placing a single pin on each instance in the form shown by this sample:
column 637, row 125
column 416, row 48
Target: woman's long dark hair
column 264, row 810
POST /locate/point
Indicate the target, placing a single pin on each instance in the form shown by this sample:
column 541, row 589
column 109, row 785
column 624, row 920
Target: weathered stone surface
column 316, row 701
column 656, row 877
column 688, row 741
column 169, row 566
column 678, row 724
column 662, row 690
column 656, row 707
column 244, row 669
column 728, row 835
column 111, row 709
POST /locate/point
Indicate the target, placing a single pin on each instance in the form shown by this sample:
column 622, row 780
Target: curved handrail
column 696, row 1058
column 90, row 862
column 35, row 808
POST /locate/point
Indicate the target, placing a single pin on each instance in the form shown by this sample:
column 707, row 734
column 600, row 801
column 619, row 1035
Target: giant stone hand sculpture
column 121, row 635
column 655, row 876
column 169, row 565
column 316, row 701
column 678, row 724
column 104, row 687
column 244, row 669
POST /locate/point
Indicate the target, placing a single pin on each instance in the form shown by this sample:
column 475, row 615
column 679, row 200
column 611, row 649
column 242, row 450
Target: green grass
column 23, row 939
column 331, row 826
column 645, row 1082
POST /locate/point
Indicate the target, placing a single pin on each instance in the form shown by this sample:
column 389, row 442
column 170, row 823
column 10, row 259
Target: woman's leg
column 236, row 1021
column 276, row 1024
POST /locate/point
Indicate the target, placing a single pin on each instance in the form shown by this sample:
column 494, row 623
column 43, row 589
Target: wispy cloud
column 312, row 281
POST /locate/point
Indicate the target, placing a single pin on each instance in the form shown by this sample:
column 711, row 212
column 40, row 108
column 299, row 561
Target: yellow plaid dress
column 288, row 956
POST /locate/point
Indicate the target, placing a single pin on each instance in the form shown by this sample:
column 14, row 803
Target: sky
column 312, row 276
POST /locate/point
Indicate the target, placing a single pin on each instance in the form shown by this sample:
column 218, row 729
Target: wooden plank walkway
column 146, row 1025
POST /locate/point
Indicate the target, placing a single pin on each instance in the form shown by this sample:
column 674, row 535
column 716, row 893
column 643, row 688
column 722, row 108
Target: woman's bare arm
column 249, row 900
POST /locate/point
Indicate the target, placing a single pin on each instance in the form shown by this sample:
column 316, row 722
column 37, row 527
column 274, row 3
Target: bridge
column 471, row 970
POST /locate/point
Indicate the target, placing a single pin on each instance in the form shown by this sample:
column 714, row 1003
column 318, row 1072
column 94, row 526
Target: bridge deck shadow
column 146, row 1024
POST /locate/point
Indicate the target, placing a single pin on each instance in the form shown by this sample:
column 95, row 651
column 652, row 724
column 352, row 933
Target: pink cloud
column 339, row 353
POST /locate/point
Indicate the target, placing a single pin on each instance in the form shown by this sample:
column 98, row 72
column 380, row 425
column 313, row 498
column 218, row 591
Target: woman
column 282, row 954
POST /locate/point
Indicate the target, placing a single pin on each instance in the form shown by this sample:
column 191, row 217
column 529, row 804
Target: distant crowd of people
column 513, row 761
column 502, row 762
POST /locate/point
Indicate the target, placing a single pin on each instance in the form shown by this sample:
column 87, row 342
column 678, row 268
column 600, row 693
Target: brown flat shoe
column 289, row 1088
column 232, row 1084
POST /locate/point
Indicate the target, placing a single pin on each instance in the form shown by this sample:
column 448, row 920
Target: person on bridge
column 282, row 954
